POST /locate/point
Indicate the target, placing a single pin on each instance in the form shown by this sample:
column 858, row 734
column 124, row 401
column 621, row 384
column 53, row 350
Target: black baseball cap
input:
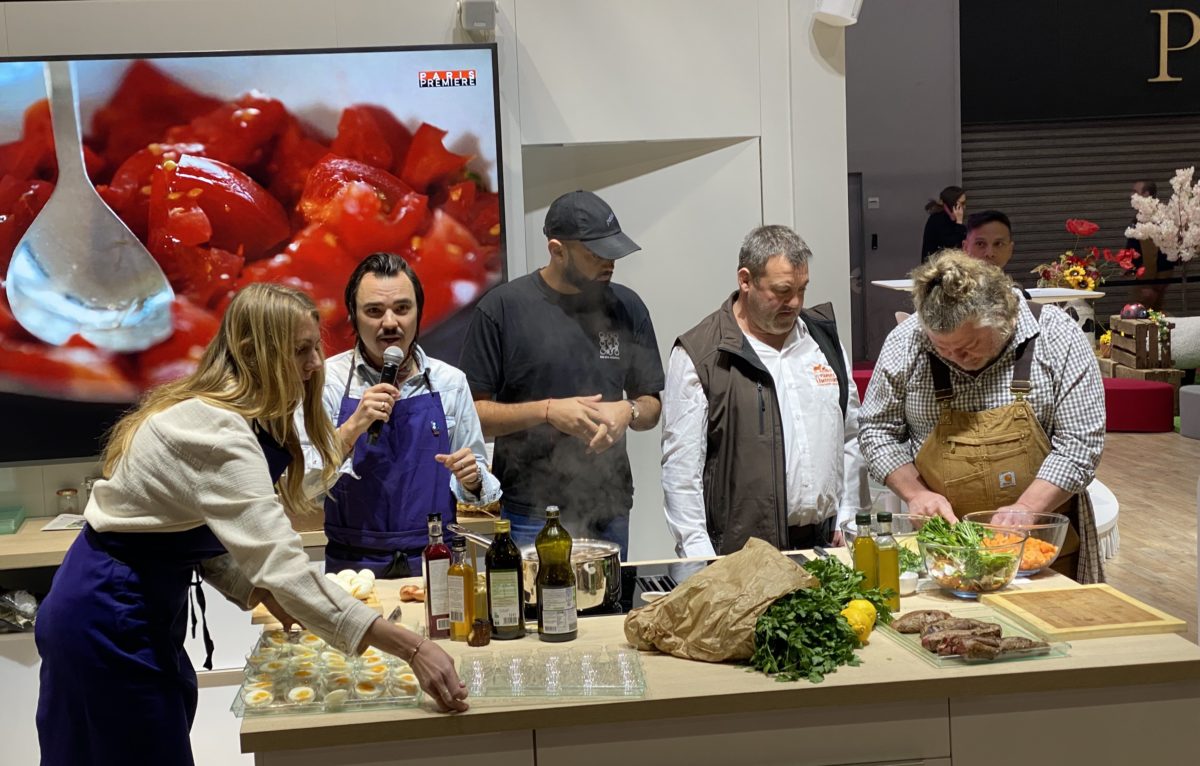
column 582, row 216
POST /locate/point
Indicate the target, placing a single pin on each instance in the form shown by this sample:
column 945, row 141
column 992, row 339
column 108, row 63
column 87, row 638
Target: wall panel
column 628, row 70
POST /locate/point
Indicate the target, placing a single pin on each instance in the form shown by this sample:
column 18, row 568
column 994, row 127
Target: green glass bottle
column 557, row 617
column 505, row 584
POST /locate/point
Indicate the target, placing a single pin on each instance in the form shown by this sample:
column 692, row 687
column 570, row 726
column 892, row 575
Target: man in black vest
column 760, row 422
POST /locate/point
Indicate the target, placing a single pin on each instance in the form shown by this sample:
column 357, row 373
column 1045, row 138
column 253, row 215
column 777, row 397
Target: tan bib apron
column 981, row 461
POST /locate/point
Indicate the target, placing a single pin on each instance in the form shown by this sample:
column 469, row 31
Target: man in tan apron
column 984, row 402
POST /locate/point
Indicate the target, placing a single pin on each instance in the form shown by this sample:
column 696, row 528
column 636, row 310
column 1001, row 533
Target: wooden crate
column 1161, row 375
column 1106, row 367
column 1136, row 343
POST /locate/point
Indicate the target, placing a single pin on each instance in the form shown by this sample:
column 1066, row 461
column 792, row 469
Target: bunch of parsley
column 804, row 635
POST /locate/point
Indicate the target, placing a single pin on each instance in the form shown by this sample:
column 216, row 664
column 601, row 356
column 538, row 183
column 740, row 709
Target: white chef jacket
column 826, row 474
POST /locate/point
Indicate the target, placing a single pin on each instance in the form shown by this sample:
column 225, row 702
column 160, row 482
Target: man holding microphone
column 412, row 446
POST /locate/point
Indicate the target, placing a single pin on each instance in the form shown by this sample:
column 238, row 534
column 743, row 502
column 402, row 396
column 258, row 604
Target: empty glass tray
column 294, row 673
column 561, row 671
column 912, row 641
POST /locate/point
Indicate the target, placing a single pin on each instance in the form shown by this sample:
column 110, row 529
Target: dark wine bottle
column 437, row 569
column 505, row 584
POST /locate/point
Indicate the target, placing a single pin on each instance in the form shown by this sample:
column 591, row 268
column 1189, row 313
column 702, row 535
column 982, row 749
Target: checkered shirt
column 899, row 411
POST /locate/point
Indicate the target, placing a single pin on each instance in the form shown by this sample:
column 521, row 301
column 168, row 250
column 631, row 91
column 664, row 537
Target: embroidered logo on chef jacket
column 610, row 345
column 1008, row 479
column 824, row 375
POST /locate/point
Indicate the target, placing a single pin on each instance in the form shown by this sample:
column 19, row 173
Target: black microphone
column 392, row 359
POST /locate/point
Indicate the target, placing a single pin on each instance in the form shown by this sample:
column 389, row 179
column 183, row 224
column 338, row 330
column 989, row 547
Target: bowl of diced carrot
column 1046, row 531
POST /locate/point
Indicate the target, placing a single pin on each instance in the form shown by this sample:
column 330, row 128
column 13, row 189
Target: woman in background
column 944, row 228
column 196, row 482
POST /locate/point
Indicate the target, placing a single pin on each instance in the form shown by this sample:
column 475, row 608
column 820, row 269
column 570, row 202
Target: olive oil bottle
column 505, row 584
column 558, row 619
column 889, row 560
column 461, row 588
column 866, row 554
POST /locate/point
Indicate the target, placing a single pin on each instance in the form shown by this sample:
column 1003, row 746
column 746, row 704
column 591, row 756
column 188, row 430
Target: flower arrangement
column 1173, row 225
column 1079, row 269
column 1104, row 345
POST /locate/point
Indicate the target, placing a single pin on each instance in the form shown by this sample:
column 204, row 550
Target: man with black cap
column 561, row 363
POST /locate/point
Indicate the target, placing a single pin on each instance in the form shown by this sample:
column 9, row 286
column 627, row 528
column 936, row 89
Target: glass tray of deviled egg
column 555, row 671
column 296, row 672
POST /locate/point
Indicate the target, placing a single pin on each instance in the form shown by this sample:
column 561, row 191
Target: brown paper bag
column 711, row 615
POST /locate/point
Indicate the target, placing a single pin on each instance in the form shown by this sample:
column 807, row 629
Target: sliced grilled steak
column 979, row 648
column 934, row 641
column 915, row 622
column 1017, row 643
column 963, row 623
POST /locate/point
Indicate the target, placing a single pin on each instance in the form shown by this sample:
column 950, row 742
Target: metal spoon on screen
column 79, row 269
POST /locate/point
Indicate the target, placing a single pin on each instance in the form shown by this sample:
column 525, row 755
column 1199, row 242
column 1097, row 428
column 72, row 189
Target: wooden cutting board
column 1086, row 611
column 260, row 615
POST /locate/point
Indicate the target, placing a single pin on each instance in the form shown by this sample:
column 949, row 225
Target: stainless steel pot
column 597, row 569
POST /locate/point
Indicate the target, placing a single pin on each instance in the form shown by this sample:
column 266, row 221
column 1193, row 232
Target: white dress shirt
column 825, row 471
column 462, row 421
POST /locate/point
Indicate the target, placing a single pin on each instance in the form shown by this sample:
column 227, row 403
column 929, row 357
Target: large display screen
column 240, row 168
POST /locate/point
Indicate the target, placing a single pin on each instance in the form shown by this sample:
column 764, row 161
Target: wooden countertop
column 678, row 688
column 29, row 547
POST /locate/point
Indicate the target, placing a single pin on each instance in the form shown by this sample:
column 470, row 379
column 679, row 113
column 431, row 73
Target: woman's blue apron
column 117, row 686
column 379, row 521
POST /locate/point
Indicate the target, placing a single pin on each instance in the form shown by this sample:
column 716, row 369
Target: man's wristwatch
column 633, row 408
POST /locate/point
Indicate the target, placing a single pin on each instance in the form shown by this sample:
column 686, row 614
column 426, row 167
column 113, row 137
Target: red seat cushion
column 1139, row 405
column 861, row 379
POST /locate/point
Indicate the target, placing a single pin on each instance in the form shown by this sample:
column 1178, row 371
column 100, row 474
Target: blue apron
column 379, row 521
column 117, row 686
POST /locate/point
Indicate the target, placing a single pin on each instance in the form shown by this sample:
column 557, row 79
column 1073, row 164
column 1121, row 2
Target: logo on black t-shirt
column 610, row 345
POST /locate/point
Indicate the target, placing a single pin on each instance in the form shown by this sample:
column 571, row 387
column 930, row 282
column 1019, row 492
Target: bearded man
column 562, row 363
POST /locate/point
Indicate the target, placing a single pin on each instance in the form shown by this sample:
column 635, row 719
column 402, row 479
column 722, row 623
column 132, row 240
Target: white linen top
column 195, row 464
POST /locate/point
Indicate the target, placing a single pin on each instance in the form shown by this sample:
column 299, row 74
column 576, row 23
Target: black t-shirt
column 528, row 342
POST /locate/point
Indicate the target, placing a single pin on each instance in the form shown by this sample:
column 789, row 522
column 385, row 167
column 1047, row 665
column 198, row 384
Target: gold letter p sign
column 1164, row 46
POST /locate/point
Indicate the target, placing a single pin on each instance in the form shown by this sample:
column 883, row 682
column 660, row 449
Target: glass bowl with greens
column 968, row 558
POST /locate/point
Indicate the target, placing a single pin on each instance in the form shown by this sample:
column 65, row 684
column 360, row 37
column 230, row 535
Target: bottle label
column 558, row 609
column 438, row 595
column 506, row 599
column 458, row 599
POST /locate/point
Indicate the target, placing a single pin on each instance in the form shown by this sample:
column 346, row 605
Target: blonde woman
column 196, row 481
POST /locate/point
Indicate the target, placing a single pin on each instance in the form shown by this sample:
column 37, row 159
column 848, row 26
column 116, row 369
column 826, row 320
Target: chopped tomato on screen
column 20, row 201
column 146, row 103
column 227, row 193
column 428, row 159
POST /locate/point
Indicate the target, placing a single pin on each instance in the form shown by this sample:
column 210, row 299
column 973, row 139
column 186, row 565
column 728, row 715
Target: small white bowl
column 649, row 596
column 908, row 583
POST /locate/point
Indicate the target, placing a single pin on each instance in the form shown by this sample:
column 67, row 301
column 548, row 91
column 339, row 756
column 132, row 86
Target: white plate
column 1052, row 294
